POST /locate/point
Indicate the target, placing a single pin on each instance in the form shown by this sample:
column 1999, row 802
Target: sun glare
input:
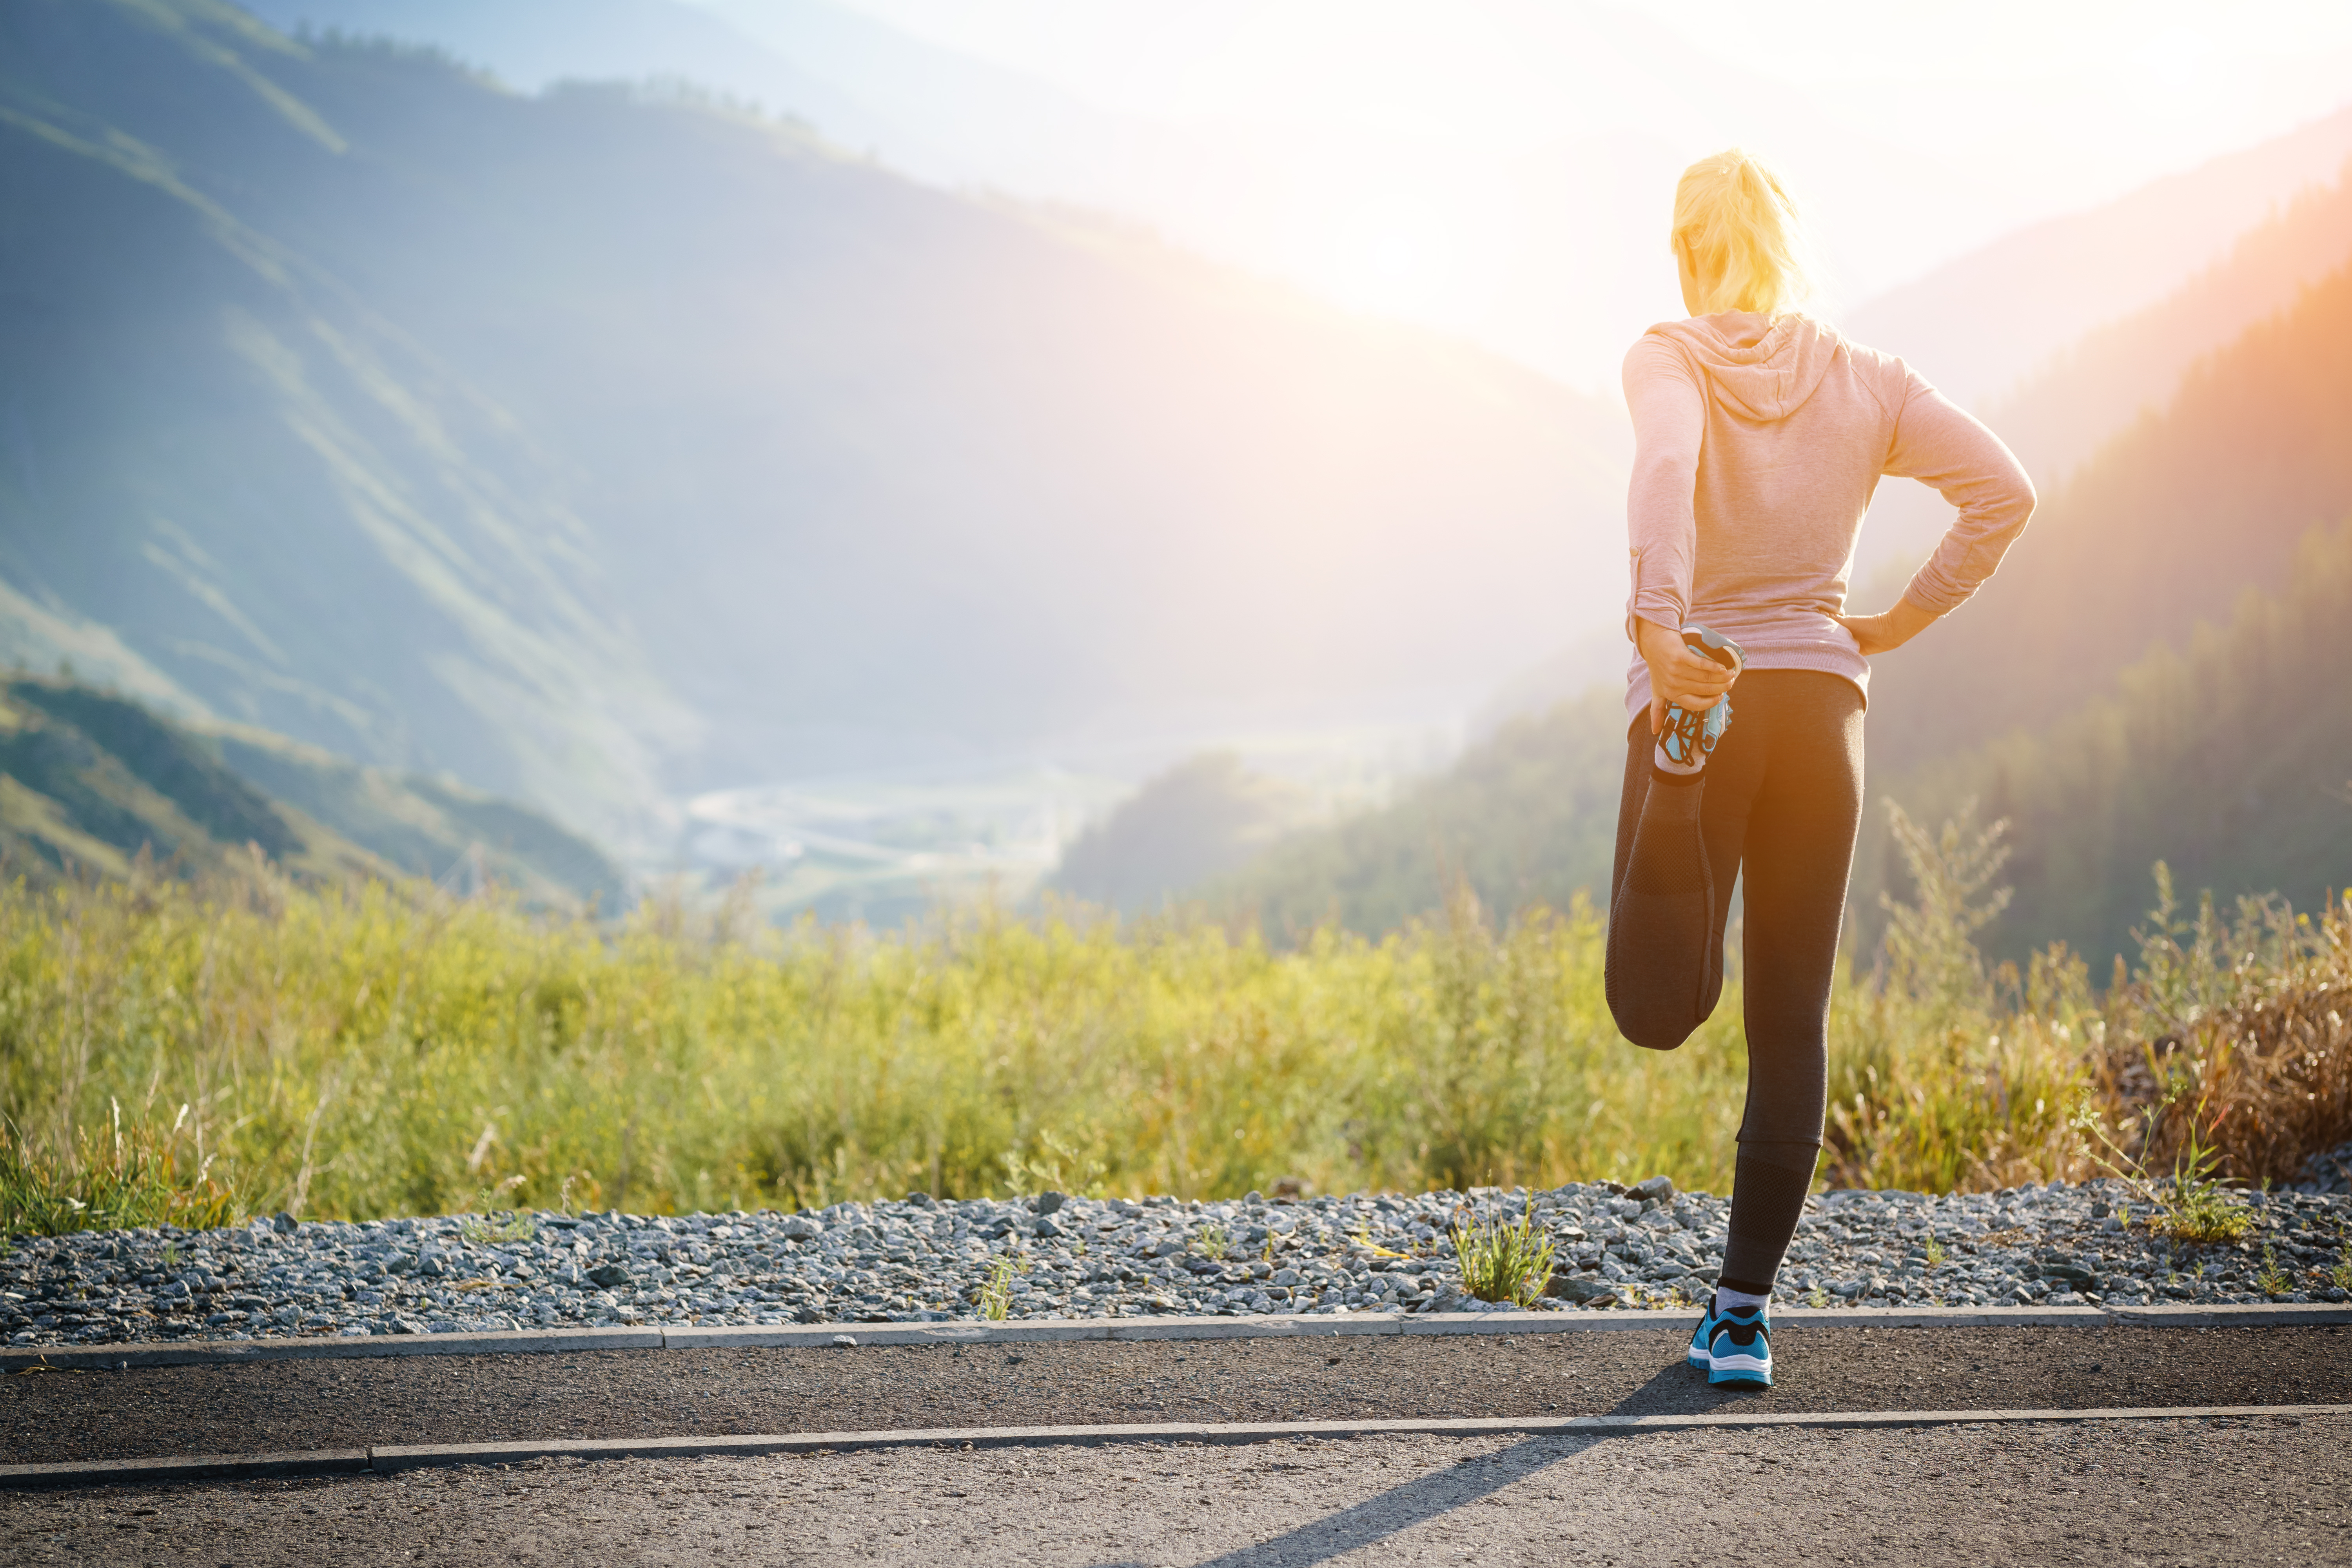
column 1397, row 256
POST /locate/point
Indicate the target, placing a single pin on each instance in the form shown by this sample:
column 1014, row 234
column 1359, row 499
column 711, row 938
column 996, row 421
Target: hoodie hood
column 1756, row 367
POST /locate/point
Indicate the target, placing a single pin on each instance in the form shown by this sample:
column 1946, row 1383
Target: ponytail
column 1740, row 228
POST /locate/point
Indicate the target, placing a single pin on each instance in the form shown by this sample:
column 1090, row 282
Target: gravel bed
column 923, row 1260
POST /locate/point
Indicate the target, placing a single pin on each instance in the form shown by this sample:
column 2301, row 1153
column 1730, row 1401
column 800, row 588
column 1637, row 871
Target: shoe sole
column 1712, row 645
column 1741, row 1369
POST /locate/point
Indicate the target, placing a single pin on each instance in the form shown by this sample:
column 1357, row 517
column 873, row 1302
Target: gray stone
column 915, row 1262
column 1583, row 1291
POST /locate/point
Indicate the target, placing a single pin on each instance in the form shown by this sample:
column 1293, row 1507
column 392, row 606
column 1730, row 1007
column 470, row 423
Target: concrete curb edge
column 393, row 1459
column 551, row 1341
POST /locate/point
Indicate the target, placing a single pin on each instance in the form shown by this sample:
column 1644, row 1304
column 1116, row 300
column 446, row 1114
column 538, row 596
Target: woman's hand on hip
column 1679, row 675
column 1888, row 629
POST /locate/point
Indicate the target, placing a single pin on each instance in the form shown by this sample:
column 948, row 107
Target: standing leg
column 1799, row 853
column 1678, row 848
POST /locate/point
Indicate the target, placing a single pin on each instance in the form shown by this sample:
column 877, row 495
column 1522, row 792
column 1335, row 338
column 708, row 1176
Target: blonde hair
column 1740, row 227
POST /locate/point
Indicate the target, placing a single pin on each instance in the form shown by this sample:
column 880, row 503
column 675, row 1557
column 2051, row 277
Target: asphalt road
column 2148, row 1494
column 285, row 1407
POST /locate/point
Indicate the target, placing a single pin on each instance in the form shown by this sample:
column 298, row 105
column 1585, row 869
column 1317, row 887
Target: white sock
column 1729, row 1301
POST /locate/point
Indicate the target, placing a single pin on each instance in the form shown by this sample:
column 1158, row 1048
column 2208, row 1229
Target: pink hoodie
column 1757, row 445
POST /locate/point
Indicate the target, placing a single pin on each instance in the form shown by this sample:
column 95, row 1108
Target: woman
column 1760, row 435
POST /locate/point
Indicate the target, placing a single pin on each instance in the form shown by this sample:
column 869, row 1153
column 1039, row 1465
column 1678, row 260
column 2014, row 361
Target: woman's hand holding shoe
column 1679, row 674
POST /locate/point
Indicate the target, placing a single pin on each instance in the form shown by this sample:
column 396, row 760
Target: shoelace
column 1687, row 734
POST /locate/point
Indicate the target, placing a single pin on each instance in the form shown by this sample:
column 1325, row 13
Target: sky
column 1437, row 161
column 2130, row 88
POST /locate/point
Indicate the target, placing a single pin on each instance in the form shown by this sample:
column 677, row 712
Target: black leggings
column 1781, row 800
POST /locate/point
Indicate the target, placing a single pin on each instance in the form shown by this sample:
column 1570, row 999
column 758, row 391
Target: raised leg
column 1678, row 854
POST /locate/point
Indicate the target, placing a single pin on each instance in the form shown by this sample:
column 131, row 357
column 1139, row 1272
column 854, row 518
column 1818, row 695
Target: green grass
column 2272, row 1281
column 370, row 1054
column 1503, row 1260
column 107, row 1178
column 995, row 1299
column 171, row 1054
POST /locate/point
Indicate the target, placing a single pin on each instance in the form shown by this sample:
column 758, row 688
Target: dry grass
column 2264, row 1081
column 2228, row 1048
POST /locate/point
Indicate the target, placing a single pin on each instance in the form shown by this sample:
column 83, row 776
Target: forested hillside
column 1206, row 815
column 2230, row 761
column 2059, row 417
column 596, row 448
column 2077, row 401
column 1526, row 816
column 2165, row 528
column 90, row 782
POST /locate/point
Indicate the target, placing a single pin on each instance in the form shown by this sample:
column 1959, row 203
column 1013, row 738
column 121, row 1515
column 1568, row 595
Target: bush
column 2227, row 1046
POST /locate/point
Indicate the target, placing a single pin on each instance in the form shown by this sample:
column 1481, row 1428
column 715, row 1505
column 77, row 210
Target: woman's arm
column 1939, row 445
column 1888, row 629
column 1669, row 410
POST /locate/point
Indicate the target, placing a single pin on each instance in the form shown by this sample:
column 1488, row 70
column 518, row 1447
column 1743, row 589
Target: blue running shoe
column 1740, row 1350
column 1688, row 739
column 1702, row 1345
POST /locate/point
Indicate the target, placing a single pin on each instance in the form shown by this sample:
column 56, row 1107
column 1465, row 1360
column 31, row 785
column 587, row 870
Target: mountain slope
column 422, row 827
column 2076, row 401
column 287, row 511
column 1979, row 325
column 1206, row 815
column 1529, row 816
column 934, row 113
column 594, row 447
column 88, row 782
column 2167, row 525
column 2062, row 414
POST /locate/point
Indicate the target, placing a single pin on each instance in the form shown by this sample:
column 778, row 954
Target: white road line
column 542, row 1341
column 390, row 1459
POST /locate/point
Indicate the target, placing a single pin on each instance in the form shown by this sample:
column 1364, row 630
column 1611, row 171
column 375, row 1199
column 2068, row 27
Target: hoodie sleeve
column 1669, row 409
column 1940, row 446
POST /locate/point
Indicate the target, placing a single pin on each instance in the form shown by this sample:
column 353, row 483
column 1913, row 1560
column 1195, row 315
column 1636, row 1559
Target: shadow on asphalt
column 1399, row 1508
column 1670, row 1390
